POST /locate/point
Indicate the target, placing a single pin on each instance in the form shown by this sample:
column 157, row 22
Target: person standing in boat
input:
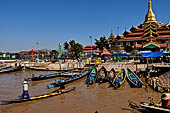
column 165, row 99
column 25, row 90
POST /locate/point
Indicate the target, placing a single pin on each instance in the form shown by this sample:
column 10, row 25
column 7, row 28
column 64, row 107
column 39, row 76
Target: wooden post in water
column 147, row 62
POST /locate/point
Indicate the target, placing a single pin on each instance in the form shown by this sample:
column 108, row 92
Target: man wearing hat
column 25, row 90
column 165, row 98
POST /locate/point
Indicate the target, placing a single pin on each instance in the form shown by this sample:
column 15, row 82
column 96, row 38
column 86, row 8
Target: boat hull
column 154, row 109
column 133, row 79
column 11, row 69
column 102, row 75
column 54, row 93
column 71, row 79
column 92, row 76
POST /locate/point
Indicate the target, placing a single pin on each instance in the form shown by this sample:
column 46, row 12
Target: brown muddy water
column 82, row 100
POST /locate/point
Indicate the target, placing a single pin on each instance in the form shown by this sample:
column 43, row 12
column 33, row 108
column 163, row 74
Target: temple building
column 151, row 35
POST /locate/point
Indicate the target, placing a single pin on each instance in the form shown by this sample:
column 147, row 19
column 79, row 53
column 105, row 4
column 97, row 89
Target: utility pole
column 91, row 45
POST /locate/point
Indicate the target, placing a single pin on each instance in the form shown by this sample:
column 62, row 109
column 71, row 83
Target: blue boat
column 43, row 77
column 133, row 79
column 75, row 77
column 92, row 76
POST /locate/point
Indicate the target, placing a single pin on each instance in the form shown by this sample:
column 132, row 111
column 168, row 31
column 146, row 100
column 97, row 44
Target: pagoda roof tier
column 163, row 31
column 134, row 28
column 141, row 38
column 168, row 25
column 139, row 46
column 163, row 36
column 132, row 34
column 127, row 32
column 132, row 38
column 163, row 45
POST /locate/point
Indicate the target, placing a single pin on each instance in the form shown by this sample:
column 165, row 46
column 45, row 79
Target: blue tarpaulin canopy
column 152, row 54
column 120, row 55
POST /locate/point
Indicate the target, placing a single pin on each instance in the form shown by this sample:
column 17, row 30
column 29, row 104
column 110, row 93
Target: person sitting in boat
column 62, row 88
column 165, row 99
column 25, row 90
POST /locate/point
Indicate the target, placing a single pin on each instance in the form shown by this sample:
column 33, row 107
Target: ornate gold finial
column 150, row 16
column 111, row 31
column 150, row 4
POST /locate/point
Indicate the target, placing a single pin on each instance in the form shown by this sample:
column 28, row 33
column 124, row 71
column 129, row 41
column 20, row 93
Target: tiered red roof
column 91, row 48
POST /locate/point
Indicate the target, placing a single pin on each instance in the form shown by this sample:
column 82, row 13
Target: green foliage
column 53, row 52
column 102, row 43
column 74, row 48
column 128, row 48
column 66, row 45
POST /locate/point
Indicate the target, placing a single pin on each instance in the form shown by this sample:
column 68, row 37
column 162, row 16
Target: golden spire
column 111, row 37
column 150, row 16
column 112, row 32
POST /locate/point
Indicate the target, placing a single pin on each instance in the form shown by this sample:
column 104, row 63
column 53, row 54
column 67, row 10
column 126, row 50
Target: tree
column 102, row 43
column 128, row 48
column 54, row 54
column 74, row 48
column 66, row 45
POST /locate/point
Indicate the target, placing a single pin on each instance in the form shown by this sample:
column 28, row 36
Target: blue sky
column 49, row 22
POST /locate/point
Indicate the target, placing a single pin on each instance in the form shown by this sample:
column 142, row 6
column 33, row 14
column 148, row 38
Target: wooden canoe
column 119, row 79
column 102, row 75
column 53, row 93
column 133, row 79
column 92, row 76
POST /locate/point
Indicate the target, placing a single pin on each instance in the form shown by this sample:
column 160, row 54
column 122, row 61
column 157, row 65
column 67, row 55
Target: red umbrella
column 32, row 51
column 106, row 52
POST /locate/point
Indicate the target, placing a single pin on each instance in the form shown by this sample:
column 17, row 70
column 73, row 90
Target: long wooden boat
column 44, row 77
column 5, row 67
column 102, row 75
column 153, row 108
column 92, row 76
column 75, row 77
column 10, row 69
column 119, row 79
column 133, row 79
column 111, row 75
column 51, row 94
column 46, row 69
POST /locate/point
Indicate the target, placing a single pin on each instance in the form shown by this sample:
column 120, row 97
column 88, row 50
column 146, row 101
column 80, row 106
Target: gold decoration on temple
column 111, row 38
column 150, row 16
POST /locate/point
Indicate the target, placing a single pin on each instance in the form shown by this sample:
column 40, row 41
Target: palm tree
column 102, row 43
column 74, row 48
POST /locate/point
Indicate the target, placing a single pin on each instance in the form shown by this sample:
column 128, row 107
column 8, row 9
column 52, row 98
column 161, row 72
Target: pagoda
column 151, row 35
column 112, row 41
